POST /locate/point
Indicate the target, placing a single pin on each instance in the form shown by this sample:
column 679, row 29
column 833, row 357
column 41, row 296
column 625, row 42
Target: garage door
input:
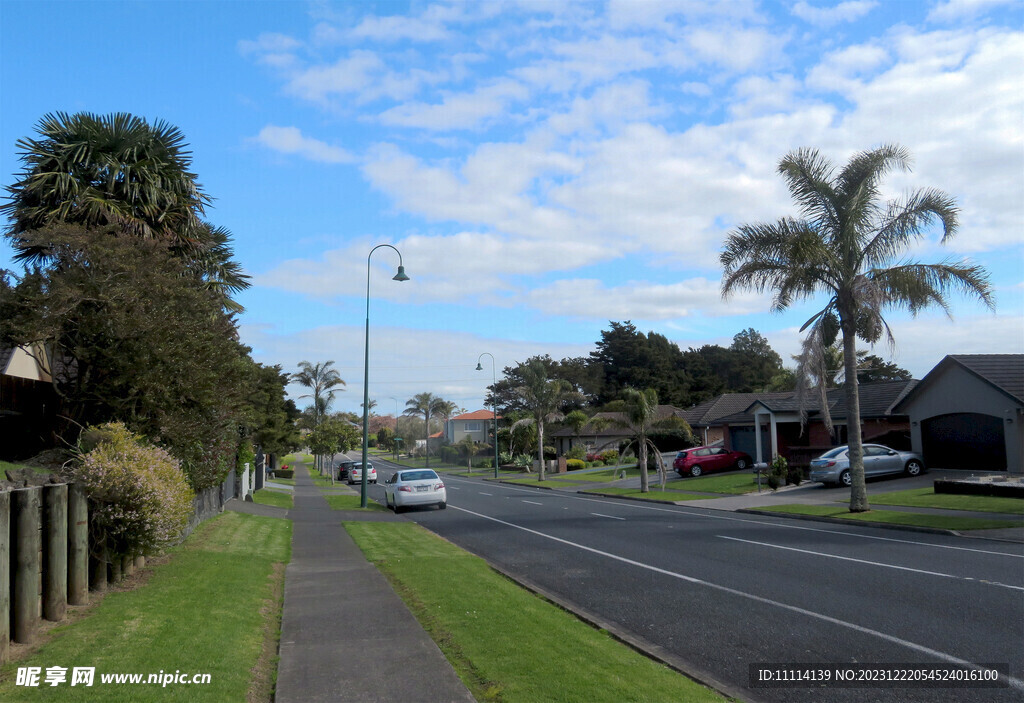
column 964, row 441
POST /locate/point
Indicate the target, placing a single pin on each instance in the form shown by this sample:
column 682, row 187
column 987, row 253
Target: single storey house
column 968, row 413
column 604, row 431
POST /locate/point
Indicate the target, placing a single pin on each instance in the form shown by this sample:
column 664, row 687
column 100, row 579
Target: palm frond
column 918, row 286
column 808, row 175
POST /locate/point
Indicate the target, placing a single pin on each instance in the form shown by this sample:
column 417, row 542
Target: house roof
column 476, row 415
column 1005, row 372
column 614, row 426
column 876, row 400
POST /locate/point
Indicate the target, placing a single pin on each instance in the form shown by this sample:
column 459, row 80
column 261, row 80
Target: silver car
column 415, row 487
column 834, row 465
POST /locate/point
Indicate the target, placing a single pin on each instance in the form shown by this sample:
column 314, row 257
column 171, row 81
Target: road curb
column 841, row 521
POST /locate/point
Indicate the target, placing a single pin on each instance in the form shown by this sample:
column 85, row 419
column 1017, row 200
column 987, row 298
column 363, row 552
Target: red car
column 701, row 460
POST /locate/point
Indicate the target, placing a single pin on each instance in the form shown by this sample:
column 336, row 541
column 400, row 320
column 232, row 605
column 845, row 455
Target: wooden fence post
column 55, row 553
column 5, row 574
column 78, row 545
column 25, row 504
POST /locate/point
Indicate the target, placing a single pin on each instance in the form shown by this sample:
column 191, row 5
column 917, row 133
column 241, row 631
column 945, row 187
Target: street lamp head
column 400, row 276
column 479, row 367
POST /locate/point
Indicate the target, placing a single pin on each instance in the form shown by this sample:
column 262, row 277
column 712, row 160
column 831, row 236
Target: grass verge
column 891, row 517
column 654, row 494
column 928, row 498
column 733, row 484
column 277, row 499
column 511, row 645
column 207, row 609
column 351, row 502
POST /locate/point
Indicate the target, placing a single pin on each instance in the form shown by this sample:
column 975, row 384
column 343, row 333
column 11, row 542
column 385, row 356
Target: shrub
column 575, row 464
column 140, row 498
column 284, row 473
column 577, row 452
column 610, row 457
column 523, row 460
column 777, row 472
column 245, row 455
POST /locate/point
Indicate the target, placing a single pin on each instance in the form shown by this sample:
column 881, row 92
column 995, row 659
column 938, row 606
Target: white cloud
column 957, row 10
column 363, row 75
column 841, row 68
column 737, row 48
column 457, row 111
column 289, row 140
column 638, row 300
column 398, row 28
column 268, row 43
column 828, row 16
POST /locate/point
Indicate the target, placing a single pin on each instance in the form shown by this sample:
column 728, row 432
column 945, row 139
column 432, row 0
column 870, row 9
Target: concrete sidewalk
column 345, row 634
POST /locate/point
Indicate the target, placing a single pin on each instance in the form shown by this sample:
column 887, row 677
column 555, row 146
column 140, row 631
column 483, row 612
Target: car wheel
column 696, row 471
column 741, row 464
column 845, row 479
column 914, row 467
column 442, row 506
column 397, row 509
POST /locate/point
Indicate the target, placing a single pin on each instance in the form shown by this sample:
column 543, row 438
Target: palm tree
column 322, row 379
column 118, row 171
column 640, row 416
column 424, row 405
column 849, row 245
column 543, row 397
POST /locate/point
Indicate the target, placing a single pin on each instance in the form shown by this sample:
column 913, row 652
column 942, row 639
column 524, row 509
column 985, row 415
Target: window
column 473, row 427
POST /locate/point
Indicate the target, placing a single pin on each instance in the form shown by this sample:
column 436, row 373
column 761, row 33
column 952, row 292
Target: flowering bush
column 140, row 499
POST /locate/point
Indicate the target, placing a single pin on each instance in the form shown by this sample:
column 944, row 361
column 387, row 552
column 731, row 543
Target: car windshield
column 681, row 455
column 838, row 451
column 418, row 475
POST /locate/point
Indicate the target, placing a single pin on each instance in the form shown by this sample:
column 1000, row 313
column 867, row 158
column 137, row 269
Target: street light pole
column 494, row 405
column 400, row 276
column 394, row 441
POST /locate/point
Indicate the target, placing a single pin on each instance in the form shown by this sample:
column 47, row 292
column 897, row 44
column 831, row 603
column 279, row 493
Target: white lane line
column 873, row 563
column 680, row 510
column 485, row 494
column 942, row 656
column 611, row 517
column 532, row 503
column 455, row 488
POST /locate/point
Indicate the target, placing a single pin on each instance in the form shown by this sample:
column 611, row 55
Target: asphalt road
column 724, row 591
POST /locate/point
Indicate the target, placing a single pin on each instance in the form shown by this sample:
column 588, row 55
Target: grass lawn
column 10, row 466
column 211, row 608
column 350, row 502
column 734, row 483
column 928, row 498
column 284, row 481
column 297, row 459
column 654, row 494
column 511, row 646
column 944, row 522
column 278, row 499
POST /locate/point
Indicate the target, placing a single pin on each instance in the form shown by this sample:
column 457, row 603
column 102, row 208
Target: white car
column 415, row 487
column 355, row 473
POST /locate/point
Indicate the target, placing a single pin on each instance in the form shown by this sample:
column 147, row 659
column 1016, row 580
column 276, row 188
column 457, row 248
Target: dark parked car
column 344, row 467
column 701, row 460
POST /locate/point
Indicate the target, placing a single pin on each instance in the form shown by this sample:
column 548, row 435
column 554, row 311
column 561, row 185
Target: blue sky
column 544, row 167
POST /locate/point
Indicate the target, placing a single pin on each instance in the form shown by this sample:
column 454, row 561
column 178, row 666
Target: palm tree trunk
column 645, row 484
column 426, row 434
column 858, row 490
column 540, row 447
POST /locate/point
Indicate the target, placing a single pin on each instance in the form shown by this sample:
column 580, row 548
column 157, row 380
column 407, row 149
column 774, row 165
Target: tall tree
column 844, row 246
column 322, row 380
column 639, row 416
column 425, row 405
column 628, row 358
column 544, row 398
column 133, row 340
column 121, row 172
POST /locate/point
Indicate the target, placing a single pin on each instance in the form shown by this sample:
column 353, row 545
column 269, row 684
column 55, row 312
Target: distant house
column 732, row 419
column 478, row 425
column 604, row 431
column 968, row 413
column 28, row 402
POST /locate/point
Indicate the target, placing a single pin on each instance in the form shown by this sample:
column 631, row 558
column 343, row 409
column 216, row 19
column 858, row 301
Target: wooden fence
column 47, row 561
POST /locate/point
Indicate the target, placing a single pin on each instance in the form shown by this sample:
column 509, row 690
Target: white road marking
column 532, row 503
column 942, row 656
column 486, row 494
column 681, row 510
column 612, row 517
column 873, row 563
